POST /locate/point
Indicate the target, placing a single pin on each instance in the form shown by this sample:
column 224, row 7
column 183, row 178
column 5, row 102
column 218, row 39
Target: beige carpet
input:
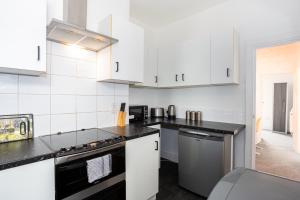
column 277, row 156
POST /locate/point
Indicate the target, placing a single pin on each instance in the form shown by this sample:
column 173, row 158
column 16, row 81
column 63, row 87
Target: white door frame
column 250, row 64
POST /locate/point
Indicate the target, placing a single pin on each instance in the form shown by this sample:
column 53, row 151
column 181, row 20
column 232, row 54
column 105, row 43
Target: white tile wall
column 34, row 103
column 63, row 104
column 63, row 123
column 8, row 104
column 34, row 85
column 86, row 120
column 8, row 83
column 86, row 104
column 66, row 98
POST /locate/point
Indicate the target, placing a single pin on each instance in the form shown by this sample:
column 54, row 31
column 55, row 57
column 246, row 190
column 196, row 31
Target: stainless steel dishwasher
column 203, row 159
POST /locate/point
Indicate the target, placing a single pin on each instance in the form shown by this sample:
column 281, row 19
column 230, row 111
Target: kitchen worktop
column 217, row 127
column 19, row 153
column 131, row 131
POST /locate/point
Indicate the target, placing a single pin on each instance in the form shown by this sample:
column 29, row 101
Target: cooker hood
column 72, row 29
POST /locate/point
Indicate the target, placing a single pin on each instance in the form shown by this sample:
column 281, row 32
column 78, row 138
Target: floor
column 276, row 156
column 168, row 184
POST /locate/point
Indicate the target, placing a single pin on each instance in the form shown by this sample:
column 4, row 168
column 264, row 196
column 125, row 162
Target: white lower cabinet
column 32, row 181
column 142, row 167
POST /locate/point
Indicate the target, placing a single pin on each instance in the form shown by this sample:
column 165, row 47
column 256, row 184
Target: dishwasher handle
column 194, row 132
column 201, row 134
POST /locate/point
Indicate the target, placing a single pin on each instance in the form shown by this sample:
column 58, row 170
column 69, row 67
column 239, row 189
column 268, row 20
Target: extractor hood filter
column 69, row 34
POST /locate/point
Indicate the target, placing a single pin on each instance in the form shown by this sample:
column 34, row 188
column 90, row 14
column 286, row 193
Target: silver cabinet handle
column 38, row 53
column 176, row 77
column 182, row 77
column 156, row 79
column 117, row 64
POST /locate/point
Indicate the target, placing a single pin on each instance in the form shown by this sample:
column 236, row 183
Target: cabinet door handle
column 38, row 53
column 176, row 77
column 156, row 148
column 117, row 64
column 227, row 72
column 182, row 77
column 156, row 79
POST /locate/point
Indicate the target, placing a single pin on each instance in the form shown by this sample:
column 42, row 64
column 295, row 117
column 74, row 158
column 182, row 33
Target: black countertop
column 217, row 127
column 131, row 131
column 19, row 153
column 28, row 151
column 24, row 152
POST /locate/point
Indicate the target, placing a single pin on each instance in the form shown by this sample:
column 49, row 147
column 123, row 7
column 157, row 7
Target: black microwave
column 138, row 113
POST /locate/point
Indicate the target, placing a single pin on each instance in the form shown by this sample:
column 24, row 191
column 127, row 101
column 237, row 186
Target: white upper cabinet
column 193, row 61
column 150, row 60
column 124, row 61
column 150, row 70
column 211, row 58
column 185, row 64
column 167, row 66
column 224, row 55
column 23, row 37
column 32, row 181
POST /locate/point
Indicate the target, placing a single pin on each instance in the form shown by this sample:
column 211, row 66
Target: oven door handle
column 65, row 159
column 72, row 166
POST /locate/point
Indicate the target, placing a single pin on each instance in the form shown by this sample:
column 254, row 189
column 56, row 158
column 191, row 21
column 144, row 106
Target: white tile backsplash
column 72, row 52
column 8, row 83
column 63, row 66
column 35, row 104
column 41, row 125
column 86, row 104
column 63, row 123
column 105, row 103
column 34, row 85
column 63, row 84
column 86, row 120
column 106, row 119
column 121, row 89
column 67, row 97
column 63, row 104
column 86, row 86
column 86, row 69
column 105, row 88
column 8, row 104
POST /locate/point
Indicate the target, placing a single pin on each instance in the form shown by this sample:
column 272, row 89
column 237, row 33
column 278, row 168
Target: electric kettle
column 171, row 112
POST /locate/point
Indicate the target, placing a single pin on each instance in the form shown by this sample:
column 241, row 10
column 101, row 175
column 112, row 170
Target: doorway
column 276, row 110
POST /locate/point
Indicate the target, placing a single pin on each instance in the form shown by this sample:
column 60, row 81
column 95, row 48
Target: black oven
column 71, row 180
column 138, row 113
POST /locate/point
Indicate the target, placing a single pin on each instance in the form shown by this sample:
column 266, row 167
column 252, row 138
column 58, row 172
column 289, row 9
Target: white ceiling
column 157, row 13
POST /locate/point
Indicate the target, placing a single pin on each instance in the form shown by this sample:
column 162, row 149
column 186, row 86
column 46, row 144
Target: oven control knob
column 63, row 149
column 72, row 148
column 85, row 146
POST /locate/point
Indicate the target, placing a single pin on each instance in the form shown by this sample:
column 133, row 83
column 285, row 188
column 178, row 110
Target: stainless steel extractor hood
column 72, row 30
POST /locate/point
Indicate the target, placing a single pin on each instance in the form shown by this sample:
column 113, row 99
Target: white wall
column 253, row 20
column 68, row 97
